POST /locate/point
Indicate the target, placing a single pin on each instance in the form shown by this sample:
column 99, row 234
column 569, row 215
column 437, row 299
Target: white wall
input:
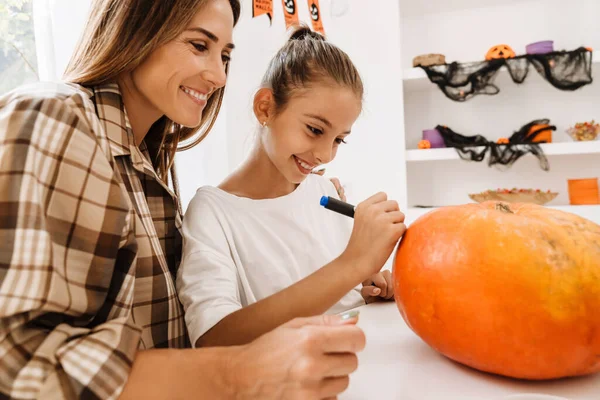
column 205, row 164
column 466, row 34
column 371, row 36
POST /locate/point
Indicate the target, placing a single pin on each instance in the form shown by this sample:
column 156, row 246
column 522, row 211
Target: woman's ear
column 264, row 105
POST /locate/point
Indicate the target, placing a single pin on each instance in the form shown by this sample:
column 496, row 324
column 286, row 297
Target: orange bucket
column 583, row 191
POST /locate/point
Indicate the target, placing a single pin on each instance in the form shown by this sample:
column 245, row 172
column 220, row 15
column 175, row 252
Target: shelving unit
column 463, row 31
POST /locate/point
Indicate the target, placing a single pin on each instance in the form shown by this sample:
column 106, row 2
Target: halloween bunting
column 260, row 7
column 315, row 16
column 290, row 11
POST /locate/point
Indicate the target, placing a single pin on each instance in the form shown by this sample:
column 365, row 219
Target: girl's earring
column 264, row 123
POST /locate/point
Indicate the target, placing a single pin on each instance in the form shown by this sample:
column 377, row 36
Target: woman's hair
column 118, row 37
column 307, row 58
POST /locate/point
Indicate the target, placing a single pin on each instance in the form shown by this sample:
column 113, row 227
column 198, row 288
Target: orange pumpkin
column 543, row 136
column 508, row 289
column 424, row 144
column 503, row 140
column 500, row 51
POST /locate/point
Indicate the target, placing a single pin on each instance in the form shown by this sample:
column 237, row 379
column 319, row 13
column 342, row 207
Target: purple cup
column 434, row 137
column 543, row 47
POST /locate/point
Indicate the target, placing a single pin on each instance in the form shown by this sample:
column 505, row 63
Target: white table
column 397, row 364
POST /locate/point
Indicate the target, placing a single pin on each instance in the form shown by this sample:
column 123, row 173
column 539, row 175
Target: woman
column 89, row 240
column 259, row 249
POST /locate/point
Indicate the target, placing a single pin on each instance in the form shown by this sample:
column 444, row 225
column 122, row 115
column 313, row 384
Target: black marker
column 333, row 204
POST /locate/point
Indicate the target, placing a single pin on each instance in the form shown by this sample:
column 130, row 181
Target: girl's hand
column 378, row 225
column 378, row 287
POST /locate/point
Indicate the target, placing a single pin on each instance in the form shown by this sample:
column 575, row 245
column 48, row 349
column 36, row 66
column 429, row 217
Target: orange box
column 543, row 136
column 583, row 191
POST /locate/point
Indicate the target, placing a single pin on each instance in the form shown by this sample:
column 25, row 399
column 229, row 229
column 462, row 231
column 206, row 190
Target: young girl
column 259, row 250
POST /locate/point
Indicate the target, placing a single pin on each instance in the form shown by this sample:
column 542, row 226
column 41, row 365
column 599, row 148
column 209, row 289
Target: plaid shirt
column 89, row 245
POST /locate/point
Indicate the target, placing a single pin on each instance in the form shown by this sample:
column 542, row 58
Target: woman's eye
column 200, row 47
column 226, row 59
column 340, row 141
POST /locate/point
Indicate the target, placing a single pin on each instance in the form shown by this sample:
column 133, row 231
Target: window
column 18, row 61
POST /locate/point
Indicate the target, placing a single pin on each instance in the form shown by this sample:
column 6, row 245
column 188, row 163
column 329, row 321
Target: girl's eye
column 226, row 59
column 340, row 141
column 314, row 130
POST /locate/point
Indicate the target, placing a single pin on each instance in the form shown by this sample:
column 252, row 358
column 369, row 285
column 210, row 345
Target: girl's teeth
column 304, row 165
column 193, row 93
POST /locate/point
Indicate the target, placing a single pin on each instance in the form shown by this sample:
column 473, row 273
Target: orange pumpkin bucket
column 500, row 51
column 583, row 191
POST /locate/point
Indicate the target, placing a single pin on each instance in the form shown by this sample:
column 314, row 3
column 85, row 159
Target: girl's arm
column 313, row 295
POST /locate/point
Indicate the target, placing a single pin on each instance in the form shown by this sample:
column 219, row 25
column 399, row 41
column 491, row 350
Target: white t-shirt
column 238, row 251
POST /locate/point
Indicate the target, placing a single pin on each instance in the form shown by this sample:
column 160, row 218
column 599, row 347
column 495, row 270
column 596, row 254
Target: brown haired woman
column 89, row 226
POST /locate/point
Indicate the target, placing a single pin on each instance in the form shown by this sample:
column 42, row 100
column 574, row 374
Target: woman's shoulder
column 56, row 116
column 40, row 103
column 60, row 92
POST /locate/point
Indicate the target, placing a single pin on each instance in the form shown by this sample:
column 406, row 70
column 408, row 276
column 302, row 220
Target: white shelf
column 550, row 149
column 415, row 79
column 591, row 212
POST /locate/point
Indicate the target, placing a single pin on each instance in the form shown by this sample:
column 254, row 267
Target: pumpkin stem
column 504, row 208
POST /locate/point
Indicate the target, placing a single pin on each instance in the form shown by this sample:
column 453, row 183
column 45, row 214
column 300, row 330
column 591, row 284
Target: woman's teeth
column 194, row 94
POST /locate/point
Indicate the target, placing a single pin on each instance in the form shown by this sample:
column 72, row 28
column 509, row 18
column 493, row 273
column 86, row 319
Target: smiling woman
column 172, row 74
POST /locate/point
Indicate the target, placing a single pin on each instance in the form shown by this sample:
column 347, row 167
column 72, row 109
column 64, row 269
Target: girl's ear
column 264, row 105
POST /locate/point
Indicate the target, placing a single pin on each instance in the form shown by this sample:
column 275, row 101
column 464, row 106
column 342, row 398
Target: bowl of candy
column 584, row 131
column 514, row 195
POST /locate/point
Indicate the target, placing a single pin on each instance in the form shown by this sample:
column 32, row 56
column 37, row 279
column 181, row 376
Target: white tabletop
column 397, row 364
